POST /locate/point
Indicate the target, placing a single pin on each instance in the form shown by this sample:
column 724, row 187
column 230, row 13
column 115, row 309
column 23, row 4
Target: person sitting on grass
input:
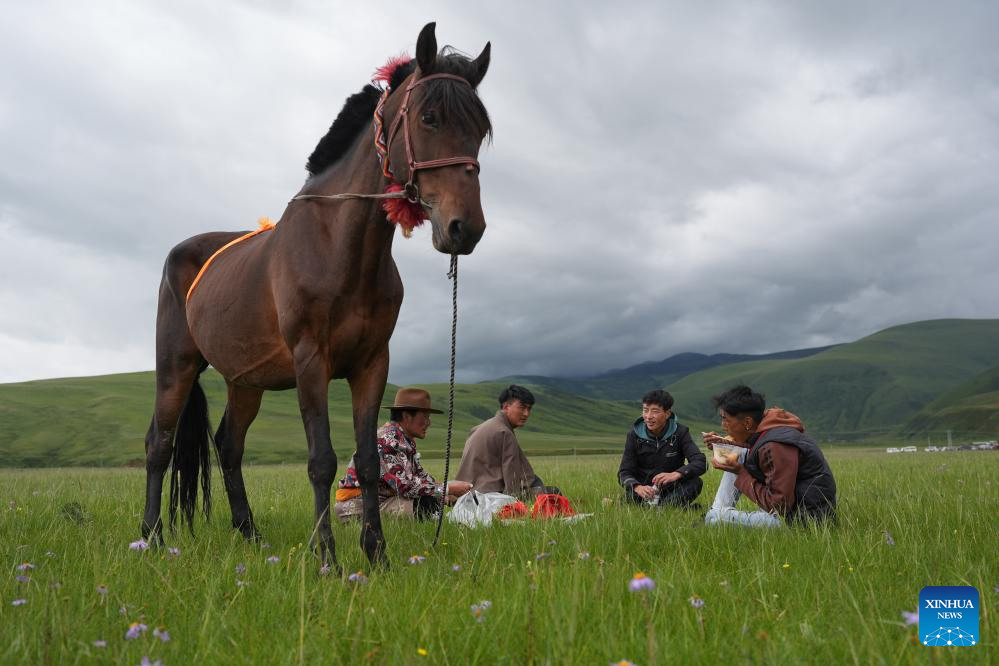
column 404, row 487
column 660, row 464
column 492, row 459
column 783, row 470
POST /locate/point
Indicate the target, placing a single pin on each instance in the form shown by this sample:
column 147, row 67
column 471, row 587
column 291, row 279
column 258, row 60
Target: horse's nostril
column 456, row 230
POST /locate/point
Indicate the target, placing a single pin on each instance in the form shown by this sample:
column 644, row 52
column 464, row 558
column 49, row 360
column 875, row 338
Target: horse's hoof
column 152, row 535
column 378, row 560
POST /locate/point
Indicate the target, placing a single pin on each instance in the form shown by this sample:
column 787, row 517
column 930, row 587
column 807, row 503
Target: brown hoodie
column 779, row 463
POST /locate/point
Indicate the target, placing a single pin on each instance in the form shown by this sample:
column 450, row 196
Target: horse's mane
column 456, row 104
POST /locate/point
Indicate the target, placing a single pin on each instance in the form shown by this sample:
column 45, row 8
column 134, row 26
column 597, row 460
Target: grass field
column 791, row 596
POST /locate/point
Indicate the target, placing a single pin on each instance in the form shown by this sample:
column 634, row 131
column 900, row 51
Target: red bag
column 551, row 506
column 513, row 510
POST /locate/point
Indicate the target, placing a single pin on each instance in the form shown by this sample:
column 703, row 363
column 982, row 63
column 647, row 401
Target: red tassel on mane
column 385, row 72
column 406, row 214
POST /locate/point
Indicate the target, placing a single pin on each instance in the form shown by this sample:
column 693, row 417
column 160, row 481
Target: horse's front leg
column 367, row 388
column 312, row 377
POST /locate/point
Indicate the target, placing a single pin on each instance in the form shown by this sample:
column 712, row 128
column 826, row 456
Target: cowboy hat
column 414, row 399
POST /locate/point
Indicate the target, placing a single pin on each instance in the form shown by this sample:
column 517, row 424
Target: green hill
column 102, row 421
column 634, row 381
column 927, row 376
column 874, row 384
column 971, row 409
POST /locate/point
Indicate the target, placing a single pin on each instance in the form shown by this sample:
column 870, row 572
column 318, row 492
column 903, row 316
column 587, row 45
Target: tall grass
column 793, row 596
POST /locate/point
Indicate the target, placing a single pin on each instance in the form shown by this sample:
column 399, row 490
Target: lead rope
column 453, row 276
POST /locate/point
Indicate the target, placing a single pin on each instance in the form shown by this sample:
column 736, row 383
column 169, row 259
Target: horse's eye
column 429, row 118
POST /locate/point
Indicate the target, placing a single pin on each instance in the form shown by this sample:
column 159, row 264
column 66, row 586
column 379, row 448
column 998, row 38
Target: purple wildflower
column 145, row 662
column 18, row 602
column 135, row 630
column 240, row 569
column 242, row 583
column 100, row 643
column 456, row 568
column 358, row 578
column 696, row 602
column 273, row 559
column 325, row 570
column 640, row 582
column 888, row 538
column 139, row 545
column 552, row 542
column 910, row 617
column 21, row 578
column 479, row 610
column 542, row 556
column 174, row 552
column 161, row 634
column 122, row 610
column 25, row 566
column 102, row 590
column 417, row 559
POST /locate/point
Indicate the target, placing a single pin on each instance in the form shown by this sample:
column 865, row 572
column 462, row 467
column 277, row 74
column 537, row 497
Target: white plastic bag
column 474, row 508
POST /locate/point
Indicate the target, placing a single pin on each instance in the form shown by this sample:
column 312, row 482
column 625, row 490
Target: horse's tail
column 191, row 456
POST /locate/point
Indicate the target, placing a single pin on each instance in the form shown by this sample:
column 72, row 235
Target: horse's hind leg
column 244, row 403
column 178, row 362
column 175, row 375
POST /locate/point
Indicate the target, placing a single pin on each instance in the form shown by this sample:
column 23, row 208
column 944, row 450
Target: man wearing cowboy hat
column 404, row 487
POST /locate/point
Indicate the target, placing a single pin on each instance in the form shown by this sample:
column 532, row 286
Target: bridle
column 383, row 145
column 402, row 118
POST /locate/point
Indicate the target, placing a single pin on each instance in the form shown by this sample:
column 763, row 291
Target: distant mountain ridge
column 691, row 362
column 918, row 377
column 634, row 381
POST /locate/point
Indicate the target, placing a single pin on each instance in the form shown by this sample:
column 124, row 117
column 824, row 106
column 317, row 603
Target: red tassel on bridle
column 405, row 213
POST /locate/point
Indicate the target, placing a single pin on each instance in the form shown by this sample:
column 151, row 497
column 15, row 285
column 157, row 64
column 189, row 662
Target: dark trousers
column 539, row 488
column 678, row 493
column 426, row 507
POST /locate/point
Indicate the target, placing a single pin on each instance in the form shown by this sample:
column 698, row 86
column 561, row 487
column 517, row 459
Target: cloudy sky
column 666, row 177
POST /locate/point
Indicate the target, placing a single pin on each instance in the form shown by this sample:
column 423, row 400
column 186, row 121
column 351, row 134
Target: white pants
column 723, row 507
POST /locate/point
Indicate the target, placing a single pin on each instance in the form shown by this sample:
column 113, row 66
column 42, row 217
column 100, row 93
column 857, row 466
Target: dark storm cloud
column 672, row 178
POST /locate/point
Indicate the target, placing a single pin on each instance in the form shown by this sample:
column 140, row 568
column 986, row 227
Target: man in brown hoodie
column 782, row 469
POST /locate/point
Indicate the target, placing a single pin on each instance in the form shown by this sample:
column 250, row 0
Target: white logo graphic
column 949, row 636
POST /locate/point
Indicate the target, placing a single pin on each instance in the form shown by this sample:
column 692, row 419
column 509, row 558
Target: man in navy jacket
column 661, row 464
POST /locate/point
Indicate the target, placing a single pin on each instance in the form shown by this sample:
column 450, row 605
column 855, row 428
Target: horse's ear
column 426, row 49
column 481, row 65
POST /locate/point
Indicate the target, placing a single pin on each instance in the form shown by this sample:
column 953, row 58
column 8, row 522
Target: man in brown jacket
column 492, row 460
column 782, row 470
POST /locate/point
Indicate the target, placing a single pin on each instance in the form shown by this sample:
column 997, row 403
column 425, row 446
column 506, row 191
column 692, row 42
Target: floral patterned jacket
column 401, row 471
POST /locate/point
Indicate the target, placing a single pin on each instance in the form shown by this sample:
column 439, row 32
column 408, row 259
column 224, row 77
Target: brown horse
column 316, row 297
